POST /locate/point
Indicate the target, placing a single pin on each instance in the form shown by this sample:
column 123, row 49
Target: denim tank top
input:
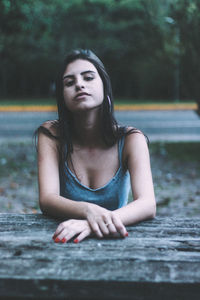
column 112, row 195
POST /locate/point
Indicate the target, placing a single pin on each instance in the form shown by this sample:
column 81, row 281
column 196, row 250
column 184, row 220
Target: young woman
column 87, row 162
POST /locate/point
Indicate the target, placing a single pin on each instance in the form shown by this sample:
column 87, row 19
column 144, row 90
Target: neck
column 87, row 128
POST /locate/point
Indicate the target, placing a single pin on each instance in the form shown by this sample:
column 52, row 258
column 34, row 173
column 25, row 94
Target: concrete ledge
column 159, row 259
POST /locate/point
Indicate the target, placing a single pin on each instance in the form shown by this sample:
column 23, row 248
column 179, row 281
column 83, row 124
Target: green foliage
column 179, row 151
column 186, row 14
column 132, row 37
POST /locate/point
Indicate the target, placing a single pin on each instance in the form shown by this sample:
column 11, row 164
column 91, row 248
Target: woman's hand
column 104, row 222
column 71, row 228
column 100, row 221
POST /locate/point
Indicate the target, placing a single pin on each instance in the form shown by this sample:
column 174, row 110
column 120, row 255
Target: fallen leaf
column 14, row 185
column 2, row 191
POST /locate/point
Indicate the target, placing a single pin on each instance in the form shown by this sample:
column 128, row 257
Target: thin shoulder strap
column 121, row 147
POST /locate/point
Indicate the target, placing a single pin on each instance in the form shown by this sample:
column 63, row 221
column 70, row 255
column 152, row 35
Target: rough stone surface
column 160, row 258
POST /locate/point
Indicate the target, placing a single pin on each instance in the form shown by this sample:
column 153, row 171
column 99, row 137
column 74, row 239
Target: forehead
column 78, row 66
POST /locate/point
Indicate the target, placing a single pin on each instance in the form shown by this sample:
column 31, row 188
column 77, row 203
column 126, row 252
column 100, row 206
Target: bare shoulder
column 135, row 136
column 48, row 136
column 51, row 126
column 135, row 142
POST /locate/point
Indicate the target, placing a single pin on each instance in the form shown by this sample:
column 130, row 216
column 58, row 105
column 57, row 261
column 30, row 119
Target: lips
column 81, row 95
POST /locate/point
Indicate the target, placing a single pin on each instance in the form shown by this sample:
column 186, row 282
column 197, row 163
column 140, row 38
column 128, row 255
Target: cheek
column 66, row 94
column 66, row 97
column 101, row 91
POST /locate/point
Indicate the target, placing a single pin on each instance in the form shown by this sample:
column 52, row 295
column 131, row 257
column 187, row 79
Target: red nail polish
column 76, row 241
column 57, row 240
column 126, row 234
column 63, row 240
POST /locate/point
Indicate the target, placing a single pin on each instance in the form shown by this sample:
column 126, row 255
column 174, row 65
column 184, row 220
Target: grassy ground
column 177, row 151
column 175, row 169
column 176, row 174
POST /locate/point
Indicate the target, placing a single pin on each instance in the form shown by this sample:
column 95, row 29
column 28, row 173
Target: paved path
column 175, row 125
column 164, row 125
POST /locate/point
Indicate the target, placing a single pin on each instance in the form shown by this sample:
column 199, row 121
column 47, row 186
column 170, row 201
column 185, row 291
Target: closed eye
column 88, row 78
column 69, row 83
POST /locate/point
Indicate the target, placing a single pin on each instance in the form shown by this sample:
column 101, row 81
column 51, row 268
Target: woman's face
column 82, row 86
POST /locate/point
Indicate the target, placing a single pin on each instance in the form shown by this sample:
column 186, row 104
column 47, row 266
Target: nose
column 79, row 84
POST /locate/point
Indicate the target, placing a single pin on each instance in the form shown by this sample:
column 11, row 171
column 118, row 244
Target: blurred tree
column 186, row 13
column 120, row 32
column 25, row 40
column 131, row 36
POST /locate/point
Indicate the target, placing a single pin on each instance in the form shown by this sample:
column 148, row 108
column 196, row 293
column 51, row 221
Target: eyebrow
column 82, row 73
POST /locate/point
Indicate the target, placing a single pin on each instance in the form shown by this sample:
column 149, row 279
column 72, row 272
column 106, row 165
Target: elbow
column 47, row 204
column 43, row 203
column 42, row 207
column 152, row 211
column 43, row 210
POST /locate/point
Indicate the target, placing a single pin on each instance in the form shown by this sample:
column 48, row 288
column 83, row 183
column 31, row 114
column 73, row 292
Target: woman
column 86, row 162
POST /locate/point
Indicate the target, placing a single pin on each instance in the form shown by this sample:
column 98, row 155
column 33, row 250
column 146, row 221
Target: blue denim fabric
column 112, row 195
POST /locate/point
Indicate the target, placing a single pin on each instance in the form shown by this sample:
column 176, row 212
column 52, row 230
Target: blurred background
column 151, row 51
column 150, row 48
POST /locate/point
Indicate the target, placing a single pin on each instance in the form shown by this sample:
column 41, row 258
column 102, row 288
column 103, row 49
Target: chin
column 84, row 107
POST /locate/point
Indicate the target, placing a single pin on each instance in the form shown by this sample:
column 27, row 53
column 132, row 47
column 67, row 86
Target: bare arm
column 51, row 203
column 144, row 204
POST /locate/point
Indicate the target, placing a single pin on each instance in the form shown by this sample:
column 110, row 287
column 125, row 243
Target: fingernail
column 57, row 240
column 63, row 240
column 76, row 241
column 126, row 234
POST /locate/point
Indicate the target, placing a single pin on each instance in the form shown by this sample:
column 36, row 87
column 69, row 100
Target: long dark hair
column 110, row 130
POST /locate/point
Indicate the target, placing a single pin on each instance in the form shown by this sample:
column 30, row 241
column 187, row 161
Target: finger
column 95, row 228
column 62, row 231
column 104, row 227
column 82, row 236
column 59, row 229
column 112, row 229
column 61, row 237
column 109, row 224
column 119, row 225
column 57, row 234
column 66, row 235
column 71, row 233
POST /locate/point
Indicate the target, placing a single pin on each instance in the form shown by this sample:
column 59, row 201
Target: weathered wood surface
column 159, row 260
